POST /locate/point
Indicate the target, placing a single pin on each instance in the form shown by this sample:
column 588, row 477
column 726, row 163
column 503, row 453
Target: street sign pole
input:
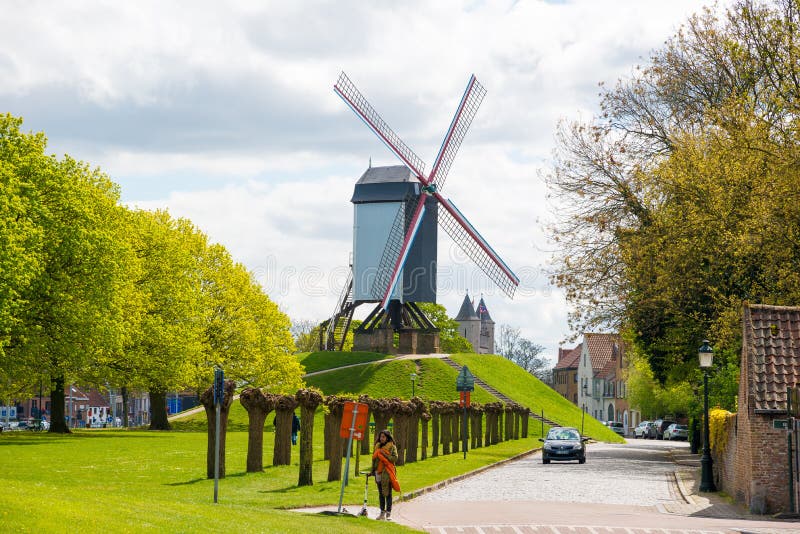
column 347, row 460
column 465, row 383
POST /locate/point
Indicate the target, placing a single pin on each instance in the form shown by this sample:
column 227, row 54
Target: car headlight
column 548, row 447
column 577, row 446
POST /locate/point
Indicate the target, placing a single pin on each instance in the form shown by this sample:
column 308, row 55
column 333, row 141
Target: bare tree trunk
column 207, row 399
column 435, row 425
column 525, row 419
column 402, row 420
column 158, row 409
column 258, row 407
column 125, row 407
column 284, row 410
column 425, row 417
column 308, row 399
column 447, row 428
column 455, row 422
column 487, row 440
column 57, row 422
column 336, row 409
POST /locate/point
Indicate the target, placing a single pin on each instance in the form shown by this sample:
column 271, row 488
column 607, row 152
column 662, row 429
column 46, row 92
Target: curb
column 685, row 494
column 439, row 485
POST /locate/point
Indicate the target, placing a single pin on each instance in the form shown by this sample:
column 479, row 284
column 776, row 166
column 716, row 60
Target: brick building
column 565, row 373
column 753, row 468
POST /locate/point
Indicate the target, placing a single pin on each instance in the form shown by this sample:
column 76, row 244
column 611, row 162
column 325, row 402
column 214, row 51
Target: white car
column 676, row 431
column 642, row 430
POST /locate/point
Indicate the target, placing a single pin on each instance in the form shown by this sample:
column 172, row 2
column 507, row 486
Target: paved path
column 631, row 489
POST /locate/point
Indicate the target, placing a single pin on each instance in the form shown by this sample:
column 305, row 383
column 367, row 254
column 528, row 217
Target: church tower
column 469, row 324
column 487, row 329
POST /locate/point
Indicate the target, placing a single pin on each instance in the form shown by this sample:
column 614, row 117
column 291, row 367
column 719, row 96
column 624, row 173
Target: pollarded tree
column 258, row 406
column 284, row 411
column 309, row 399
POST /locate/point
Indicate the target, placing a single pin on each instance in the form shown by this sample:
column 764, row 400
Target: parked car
column 563, row 444
column 659, row 426
column 676, row 431
column 642, row 430
column 617, row 427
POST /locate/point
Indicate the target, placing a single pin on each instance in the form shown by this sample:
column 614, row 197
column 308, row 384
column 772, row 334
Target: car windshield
column 564, row 434
column 681, row 427
column 616, row 424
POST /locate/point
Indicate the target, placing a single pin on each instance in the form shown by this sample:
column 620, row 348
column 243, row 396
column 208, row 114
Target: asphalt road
column 629, row 488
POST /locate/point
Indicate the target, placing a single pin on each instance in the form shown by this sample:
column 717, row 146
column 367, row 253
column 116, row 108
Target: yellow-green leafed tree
column 245, row 332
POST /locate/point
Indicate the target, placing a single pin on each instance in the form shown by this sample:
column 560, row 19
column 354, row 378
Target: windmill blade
column 402, row 252
column 353, row 97
column 475, row 246
column 467, row 108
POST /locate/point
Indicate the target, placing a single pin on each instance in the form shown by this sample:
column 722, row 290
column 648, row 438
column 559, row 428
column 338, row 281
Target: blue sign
column 219, row 386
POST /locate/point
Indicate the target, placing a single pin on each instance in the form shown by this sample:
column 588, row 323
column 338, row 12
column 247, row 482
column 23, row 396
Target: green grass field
column 320, row 361
column 140, row 481
column 512, row 381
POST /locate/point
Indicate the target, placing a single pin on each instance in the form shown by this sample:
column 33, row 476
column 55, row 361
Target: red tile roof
column 771, row 346
column 569, row 359
column 96, row 399
column 602, row 347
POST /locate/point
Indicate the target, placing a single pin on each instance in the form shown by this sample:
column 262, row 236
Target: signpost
column 354, row 425
column 465, row 383
column 219, row 393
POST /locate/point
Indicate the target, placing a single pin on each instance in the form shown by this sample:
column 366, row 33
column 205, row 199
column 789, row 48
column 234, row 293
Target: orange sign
column 464, row 400
column 356, row 415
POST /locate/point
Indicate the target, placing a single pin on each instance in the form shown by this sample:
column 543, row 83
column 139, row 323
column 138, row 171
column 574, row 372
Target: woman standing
column 383, row 469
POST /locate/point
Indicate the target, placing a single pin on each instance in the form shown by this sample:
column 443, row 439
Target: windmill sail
column 451, row 220
column 467, row 108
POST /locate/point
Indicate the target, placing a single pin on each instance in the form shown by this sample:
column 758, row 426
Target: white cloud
column 224, row 113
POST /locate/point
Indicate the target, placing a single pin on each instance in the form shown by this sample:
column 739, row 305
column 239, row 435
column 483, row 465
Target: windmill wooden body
column 396, row 213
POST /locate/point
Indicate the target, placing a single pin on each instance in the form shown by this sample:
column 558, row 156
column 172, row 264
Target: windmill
column 394, row 253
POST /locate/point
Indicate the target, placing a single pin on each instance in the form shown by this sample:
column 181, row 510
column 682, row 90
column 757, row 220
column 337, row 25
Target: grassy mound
column 323, row 360
column 514, row 382
column 435, row 380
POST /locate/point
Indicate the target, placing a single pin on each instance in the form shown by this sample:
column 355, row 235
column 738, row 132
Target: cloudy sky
column 224, row 113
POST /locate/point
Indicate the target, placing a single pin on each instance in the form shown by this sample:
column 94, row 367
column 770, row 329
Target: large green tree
column 450, row 341
column 680, row 200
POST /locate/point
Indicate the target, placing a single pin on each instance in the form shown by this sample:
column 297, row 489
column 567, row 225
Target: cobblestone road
column 639, row 474
column 621, row 489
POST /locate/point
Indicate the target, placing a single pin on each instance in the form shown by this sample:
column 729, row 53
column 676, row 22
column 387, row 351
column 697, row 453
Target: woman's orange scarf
column 388, row 467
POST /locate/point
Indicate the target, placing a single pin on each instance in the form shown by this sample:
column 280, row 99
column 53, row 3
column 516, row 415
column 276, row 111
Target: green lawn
column 137, row 481
column 322, row 360
column 514, row 382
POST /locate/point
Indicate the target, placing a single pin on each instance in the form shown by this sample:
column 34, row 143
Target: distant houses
column 590, row 375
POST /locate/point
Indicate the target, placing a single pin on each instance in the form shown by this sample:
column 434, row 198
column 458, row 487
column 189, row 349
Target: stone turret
column 469, row 324
column 487, row 329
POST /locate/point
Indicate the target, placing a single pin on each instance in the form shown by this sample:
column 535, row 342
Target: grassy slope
column 435, row 380
column 526, row 389
column 319, row 361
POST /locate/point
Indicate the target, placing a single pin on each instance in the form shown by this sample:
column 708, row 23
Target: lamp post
column 583, row 412
column 413, row 382
column 706, row 355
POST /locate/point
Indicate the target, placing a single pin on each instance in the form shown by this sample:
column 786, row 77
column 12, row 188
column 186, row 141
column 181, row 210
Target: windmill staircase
column 497, row 394
column 333, row 331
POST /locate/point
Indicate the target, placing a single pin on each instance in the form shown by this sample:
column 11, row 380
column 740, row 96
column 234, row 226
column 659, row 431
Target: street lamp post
column 413, row 382
column 583, row 412
column 706, row 355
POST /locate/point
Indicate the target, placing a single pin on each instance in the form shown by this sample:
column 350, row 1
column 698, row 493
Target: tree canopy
column 679, row 201
column 96, row 293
